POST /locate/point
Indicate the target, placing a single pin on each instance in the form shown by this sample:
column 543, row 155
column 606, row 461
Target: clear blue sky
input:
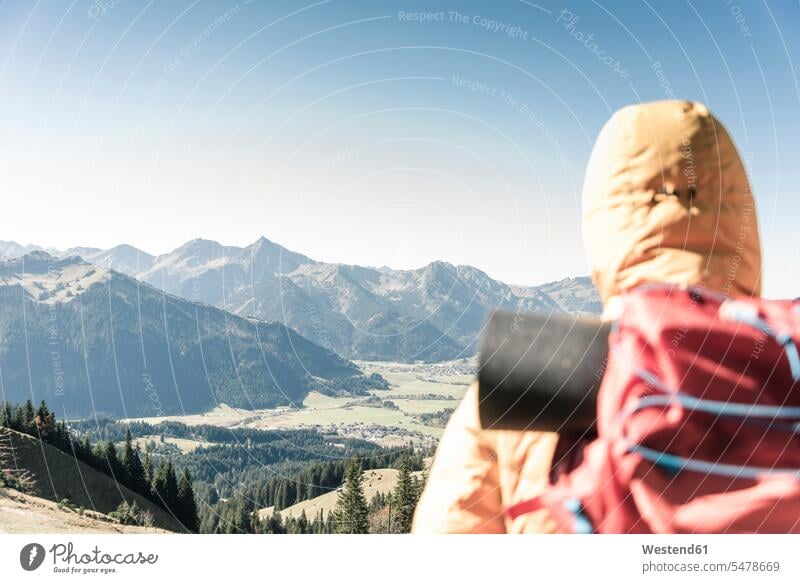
column 365, row 133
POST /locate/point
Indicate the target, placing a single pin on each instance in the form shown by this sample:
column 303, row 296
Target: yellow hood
column 666, row 199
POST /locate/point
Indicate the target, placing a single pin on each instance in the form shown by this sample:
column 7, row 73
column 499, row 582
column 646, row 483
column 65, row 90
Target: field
column 413, row 388
column 184, row 445
column 383, row 481
column 443, row 379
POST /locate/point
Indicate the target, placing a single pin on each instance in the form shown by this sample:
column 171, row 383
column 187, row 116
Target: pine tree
column 86, row 448
column 213, row 496
column 351, row 508
column 61, row 437
column 159, row 484
column 187, row 507
column 243, row 521
column 172, row 484
column 281, row 497
column 42, row 413
column 6, row 416
column 274, row 524
column 29, row 418
column 115, row 467
column 134, row 469
column 18, row 420
column 149, row 471
column 404, row 498
column 166, row 486
column 318, row 526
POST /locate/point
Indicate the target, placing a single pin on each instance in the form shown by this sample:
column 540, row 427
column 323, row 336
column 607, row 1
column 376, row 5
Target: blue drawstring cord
column 790, row 348
column 676, row 464
column 750, row 413
column 748, row 314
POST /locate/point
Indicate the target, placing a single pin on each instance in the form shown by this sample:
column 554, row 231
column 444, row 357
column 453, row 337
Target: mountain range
column 122, row 332
column 432, row 313
column 90, row 340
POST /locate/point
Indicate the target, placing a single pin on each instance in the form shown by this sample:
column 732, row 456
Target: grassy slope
column 383, row 480
column 24, row 514
column 57, row 475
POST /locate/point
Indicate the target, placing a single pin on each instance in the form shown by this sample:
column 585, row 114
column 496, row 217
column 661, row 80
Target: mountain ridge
column 431, row 313
column 94, row 340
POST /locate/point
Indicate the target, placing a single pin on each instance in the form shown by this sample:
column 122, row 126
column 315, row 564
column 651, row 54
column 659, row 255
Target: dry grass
column 184, row 445
column 24, row 514
column 383, row 480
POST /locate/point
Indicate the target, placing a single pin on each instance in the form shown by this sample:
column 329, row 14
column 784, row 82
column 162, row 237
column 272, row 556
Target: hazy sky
column 364, row 133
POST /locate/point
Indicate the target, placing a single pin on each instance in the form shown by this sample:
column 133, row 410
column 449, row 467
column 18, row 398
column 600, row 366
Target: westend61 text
column 675, row 550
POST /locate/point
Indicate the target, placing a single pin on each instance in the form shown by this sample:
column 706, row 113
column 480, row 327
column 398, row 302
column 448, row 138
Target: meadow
column 414, row 389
